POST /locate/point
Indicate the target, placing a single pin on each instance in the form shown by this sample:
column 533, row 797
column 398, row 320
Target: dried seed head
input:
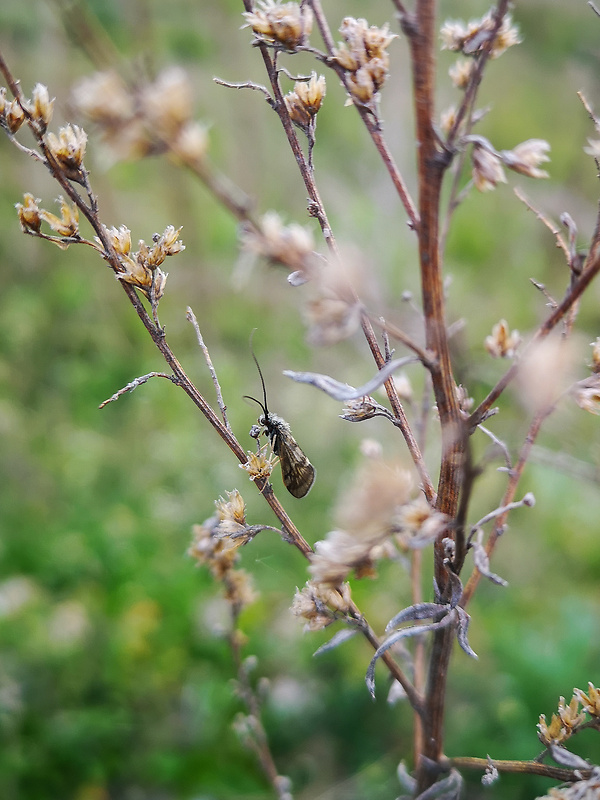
column 259, row 465
column 586, row 394
column 291, row 246
column 103, row 98
column 239, row 590
column 320, row 605
column 503, row 342
column 552, row 734
column 68, row 150
column 447, row 119
column 368, row 507
column 68, row 222
column 591, row 700
column 460, row 72
column 487, row 169
column 190, row 144
column 167, row 103
column 570, row 715
column 29, row 213
column 471, row 39
column 13, row 115
column 208, row 550
column 41, row 106
column 305, row 100
column 233, row 508
column 364, row 56
column 120, row 239
column 526, row 157
column 418, row 524
column 286, row 24
column 595, row 355
column 361, row 409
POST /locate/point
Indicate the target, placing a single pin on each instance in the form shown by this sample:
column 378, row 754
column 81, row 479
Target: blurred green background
column 115, row 683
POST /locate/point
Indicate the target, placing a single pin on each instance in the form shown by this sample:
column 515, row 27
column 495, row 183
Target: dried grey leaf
column 482, row 562
column 447, row 789
column 462, row 630
column 338, row 638
column 567, row 759
column 415, row 630
column 343, row 391
column 405, row 779
column 418, row 611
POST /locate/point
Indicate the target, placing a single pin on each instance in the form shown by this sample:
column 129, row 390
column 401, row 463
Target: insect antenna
column 262, row 380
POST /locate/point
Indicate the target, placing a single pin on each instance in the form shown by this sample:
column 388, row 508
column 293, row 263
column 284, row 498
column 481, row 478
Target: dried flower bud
column 289, row 245
column 361, row 409
column 487, row 169
column 471, row 39
column 305, row 100
column 120, row 239
column 570, row 716
column 13, row 115
column 29, row 213
column 233, row 508
column 591, row 700
column 330, row 320
column 321, row 605
column 555, row 733
column 286, row 24
column 68, row 150
column 191, row 143
column 65, row 225
column 586, row 394
column 460, row 73
column 595, row 355
column 502, row 343
column 526, row 157
column 41, row 106
column 168, row 102
column 418, row 524
column 447, row 119
column 259, row 466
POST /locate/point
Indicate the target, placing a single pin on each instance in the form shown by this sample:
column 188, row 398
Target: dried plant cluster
column 392, row 510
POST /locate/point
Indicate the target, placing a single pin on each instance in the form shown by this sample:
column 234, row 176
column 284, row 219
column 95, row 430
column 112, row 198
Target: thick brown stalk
column 432, row 162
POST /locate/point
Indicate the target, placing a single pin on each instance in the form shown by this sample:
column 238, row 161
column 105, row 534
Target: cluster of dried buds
column 39, row 110
column 570, row 718
column 142, row 268
column 364, row 57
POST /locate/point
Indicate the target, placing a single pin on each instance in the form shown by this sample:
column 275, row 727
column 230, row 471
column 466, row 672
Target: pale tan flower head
column 41, row 106
column 596, row 355
column 68, row 222
column 460, row 72
column 30, row 213
column 591, row 700
column 472, row 38
column 503, row 342
column 320, row 604
column 259, row 465
column 586, row 394
column 526, row 157
column 280, row 23
column 305, row 100
column 168, row 102
column 233, row 508
column 487, row 169
column 68, row 149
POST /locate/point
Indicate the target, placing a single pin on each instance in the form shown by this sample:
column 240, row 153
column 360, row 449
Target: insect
column 296, row 470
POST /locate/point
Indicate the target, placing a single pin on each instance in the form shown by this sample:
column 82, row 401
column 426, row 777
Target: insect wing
column 296, row 470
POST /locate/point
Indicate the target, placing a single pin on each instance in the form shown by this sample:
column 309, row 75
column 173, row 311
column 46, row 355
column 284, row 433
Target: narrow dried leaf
column 461, row 633
column 338, row 638
column 567, row 759
column 418, row 611
column 482, row 562
column 415, row 630
column 447, row 789
column 343, row 391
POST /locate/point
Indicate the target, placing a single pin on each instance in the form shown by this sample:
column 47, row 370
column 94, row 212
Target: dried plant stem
column 521, row 767
column 371, row 124
column 192, row 318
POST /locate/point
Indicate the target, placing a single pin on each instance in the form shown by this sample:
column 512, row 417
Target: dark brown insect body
column 296, row 470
